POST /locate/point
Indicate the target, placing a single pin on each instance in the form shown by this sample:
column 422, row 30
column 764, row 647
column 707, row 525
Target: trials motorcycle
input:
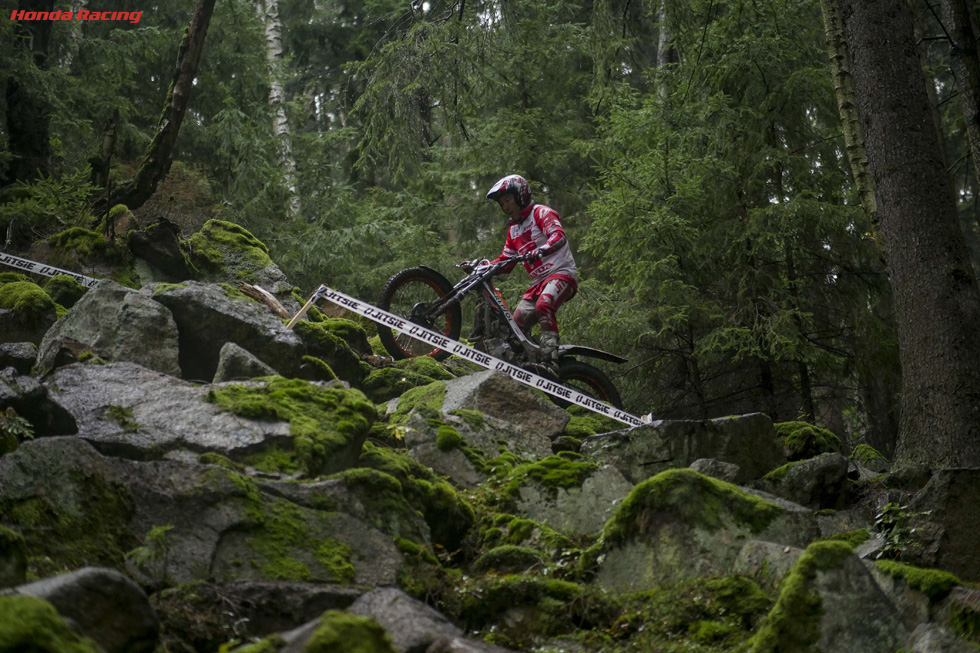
column 424, row 296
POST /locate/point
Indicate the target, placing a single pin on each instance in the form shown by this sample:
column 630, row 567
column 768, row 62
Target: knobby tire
column 399, row 294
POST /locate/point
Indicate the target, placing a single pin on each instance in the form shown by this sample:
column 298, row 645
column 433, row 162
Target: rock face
column 945, row 525
column 114, row 323
column 640, row 452
column 207, row 317
column 183, row 473
column 104, row 604
column 680, row 525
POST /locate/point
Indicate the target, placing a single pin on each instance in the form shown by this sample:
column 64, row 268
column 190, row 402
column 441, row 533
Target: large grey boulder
column 32, row 401
column 680, row 525
column 767, row 563
column 127, row 410
column 748, row 441
column 933, row 638
column 117, row 324
column 195, row 521
column 818, row 482
column 946, row 523
column 578, row 510
column 245, row 609
column 422, row 442
column 209, row 315
column 834, row 600
column 104, row 605
column 18, row 355
column 236, row 363
column 515, row 413
column 412, row 625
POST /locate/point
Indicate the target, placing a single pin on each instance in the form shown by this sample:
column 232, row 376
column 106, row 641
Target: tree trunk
column 937, row 301
column 957, row 19
column 156, row 162
column 269, row 11
column 857, row 156
column 28, row 111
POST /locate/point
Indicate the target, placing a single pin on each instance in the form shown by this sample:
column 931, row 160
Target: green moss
column 345, row 329
column 805, row 440
column 64, row 290
column 236, row 295
column 934, row 583
column 563, row 471
column 779, row 474
column 274, row 460
column 502, row 529
column 217, row 238
column 327, row 424
column 211, row 458
column 447, row 514
column 123, row 417
column 582, row 427
column 509, row 559
column 28, row 302
column 868, row 456
column 691, row 497
column 321, row 370
column 448, row 438
column 473, row 418
column 853, row 538
column 339, row 631
column 8, row 277
column 32, row 624
column 386, row 383
column 794, row 622
column 161, row 288
column 320, row 342
column 80, row 241
column 87, row 526
column 964, row 620
column 426, row 400
column 13, row 557
column 281, row 535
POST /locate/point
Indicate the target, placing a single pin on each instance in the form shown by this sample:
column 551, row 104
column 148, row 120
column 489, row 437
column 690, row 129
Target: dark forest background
column 701, row 155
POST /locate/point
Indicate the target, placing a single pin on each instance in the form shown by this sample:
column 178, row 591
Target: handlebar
column 471, row 266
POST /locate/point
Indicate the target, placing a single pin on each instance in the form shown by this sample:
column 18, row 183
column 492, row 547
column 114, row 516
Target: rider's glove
column 533, row 255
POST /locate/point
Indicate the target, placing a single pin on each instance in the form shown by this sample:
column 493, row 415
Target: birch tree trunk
column 269, row 12
column 937, row 301
column 857, row 156
column 159, row 153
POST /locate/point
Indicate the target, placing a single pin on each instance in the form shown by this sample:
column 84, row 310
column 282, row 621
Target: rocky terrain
column 180, row 472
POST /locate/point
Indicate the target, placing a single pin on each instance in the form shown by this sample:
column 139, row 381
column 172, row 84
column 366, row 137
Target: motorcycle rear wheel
column 400, row 294
column 589, row 380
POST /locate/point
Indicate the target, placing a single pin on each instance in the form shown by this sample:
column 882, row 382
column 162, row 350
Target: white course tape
column 25, row 265
column 480, row 358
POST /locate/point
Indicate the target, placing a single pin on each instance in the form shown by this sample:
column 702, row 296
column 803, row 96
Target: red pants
column 541, row 302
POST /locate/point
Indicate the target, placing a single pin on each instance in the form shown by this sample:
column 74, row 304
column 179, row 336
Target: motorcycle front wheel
column 401, row 294
column 589, row 380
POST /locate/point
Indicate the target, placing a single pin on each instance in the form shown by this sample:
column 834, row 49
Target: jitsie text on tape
column 25, row 265
column 459, row 349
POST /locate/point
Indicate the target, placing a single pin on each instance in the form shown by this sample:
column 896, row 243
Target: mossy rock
column 8, row 277
column 802, row 440
column 31, row 306
column 13, row 558
column 425, row 400
column 384, row 384
column 504, row 529
column 509, row 559
column 794, row 622
column 385, row 503
column 229, row 250
column 88, row 525
column 934, row 583
column 869, row 457
column 328, row 425
column 64, row 290
column 80, row 242
column 562, row 471
column 29, row 624
column 340, row 631
column 448, row 515
column 332, row 349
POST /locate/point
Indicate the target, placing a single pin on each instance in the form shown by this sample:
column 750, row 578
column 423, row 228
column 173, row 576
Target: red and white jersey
column 540, row 228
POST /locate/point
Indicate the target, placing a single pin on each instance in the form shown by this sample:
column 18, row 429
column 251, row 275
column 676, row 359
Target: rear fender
column 579, row 350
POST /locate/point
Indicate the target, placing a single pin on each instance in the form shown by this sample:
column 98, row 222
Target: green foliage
column 803, row 440
column 338, row 630
column 44, row 206
column 894, row 522
column 14, row 429
column 27, row 301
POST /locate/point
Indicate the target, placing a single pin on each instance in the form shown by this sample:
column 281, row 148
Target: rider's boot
column 549, row 349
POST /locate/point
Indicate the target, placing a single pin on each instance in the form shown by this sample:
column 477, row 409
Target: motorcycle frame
column 480, row 278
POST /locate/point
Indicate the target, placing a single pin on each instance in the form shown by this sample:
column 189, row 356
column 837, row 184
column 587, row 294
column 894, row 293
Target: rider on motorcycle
column 536, row 237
